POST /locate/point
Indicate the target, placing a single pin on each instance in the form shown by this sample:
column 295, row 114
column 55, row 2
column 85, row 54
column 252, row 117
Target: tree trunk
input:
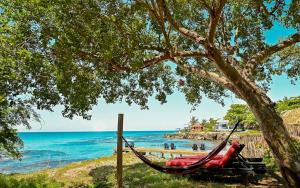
column 278, row 139
column 271, row 124
column 274, row 131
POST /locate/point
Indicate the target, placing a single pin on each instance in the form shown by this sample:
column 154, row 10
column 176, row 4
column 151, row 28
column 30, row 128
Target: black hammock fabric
column 185, row 169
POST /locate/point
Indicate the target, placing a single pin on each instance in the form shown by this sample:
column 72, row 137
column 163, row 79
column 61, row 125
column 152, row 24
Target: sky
column 174, row 114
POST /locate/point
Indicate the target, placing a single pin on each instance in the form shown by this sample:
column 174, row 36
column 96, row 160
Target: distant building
column 222, row 125
column 197, row 127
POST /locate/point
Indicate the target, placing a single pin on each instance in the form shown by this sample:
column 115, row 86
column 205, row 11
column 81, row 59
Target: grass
column 32, row 182
column 248, row 132
column 100, row 173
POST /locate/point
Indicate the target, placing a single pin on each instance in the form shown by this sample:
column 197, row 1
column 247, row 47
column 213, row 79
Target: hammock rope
column 185, row 169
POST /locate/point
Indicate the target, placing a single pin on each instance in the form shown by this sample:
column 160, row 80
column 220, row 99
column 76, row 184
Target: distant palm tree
column 193, row 121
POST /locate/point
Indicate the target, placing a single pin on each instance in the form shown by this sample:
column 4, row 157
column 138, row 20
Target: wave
column 78, row 143
column 43, row 153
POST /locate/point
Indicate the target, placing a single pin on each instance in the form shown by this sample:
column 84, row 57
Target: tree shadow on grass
column 215, row 178
column 264, row 180
column 271, row 178
column 140, row 175
column 101, row 176
column 136, row 175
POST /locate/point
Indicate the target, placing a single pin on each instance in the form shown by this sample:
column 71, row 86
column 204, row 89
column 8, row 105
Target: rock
column 198, row 136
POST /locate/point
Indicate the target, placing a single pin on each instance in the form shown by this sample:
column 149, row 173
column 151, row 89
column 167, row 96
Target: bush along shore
column 100, row 173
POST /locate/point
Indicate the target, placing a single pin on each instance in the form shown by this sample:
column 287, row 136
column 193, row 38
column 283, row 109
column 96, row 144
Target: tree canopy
column 115, row 49
column 243, row 113
column 210, row 124
column 78, row 51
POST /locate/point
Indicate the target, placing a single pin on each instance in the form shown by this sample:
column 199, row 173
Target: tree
column 241, row 112
column 288, row 104
column 130, row 50
column 210, row 124
column 203, row 122
column 193, row 121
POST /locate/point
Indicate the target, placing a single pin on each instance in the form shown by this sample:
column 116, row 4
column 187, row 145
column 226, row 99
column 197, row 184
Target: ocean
column 53, row 149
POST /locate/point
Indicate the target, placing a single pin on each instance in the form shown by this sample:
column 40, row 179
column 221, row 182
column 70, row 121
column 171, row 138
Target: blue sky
column 175, row 114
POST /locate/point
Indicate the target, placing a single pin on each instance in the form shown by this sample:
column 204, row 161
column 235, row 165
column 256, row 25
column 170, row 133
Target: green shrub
column 269, row 160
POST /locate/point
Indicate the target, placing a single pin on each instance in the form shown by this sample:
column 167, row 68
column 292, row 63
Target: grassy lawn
column 248, row 132
column 100, row 173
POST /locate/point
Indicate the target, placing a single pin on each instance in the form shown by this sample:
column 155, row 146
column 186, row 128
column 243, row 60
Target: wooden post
column 119, row 151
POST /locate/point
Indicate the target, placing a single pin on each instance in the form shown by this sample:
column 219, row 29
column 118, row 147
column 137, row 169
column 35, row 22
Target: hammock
column 184, row 169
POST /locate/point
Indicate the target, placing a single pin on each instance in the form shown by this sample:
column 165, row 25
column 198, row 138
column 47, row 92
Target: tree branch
column 204, row 3
column 182, row 30
column 190, row 54
column 159, row 16
column 214, row 77
column 260, row 56
column 265, row 10
column 215, row 15
column 158, row 59
column 232, row 72
column 152, row 47
column 155, row 60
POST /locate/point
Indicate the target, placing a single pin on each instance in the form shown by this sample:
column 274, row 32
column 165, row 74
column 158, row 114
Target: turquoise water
column 52, row 149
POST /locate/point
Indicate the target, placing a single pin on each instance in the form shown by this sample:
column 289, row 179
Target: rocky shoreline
column 211, row 136
column 255, row 146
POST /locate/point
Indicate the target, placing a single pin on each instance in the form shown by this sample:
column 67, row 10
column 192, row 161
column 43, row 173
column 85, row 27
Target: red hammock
column 218, row 161
column 188, row 169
